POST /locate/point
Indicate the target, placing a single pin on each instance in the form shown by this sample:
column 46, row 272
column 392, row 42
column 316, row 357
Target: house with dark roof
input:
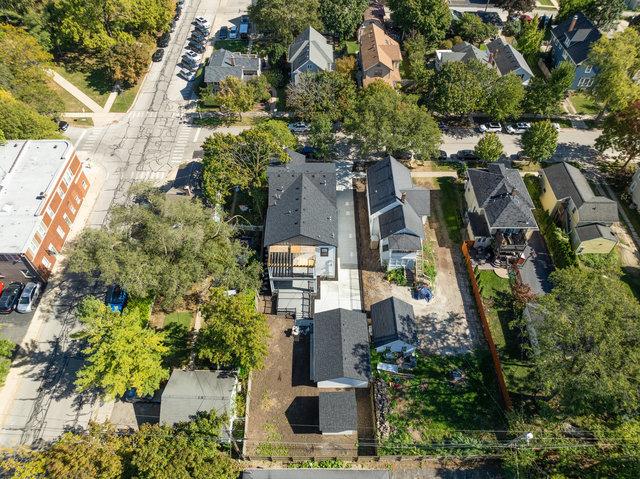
column 309, row 53
column 301, row 232
column 571, row 41
column 190, row 392
column 462, row 52
column 224, row 64
column 340, row 349
column 393, row 326
column 338, row 412
column 499, row 209
column 586, row 217
column 398, row 211
column 507, row 59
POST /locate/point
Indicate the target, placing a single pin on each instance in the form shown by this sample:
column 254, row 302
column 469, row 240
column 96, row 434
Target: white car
column 518, row 128
column 28, row 297
column 200, row 20
column 491, row 128
column 204, row 26
column 187, row 75
column 233, row 32
column 299, row 127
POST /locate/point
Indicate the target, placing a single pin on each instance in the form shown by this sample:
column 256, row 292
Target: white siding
column 343, row 383
column 396, row 346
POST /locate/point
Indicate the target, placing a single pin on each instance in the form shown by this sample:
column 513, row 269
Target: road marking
column 195, row 139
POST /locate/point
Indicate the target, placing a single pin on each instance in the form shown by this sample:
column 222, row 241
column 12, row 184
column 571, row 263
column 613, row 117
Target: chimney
column 574, row 20
column 403, row 197
column 513, row 192
column 491, row 59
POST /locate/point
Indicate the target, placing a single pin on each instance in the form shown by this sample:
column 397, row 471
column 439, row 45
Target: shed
column 338, row 412
column 393, row 326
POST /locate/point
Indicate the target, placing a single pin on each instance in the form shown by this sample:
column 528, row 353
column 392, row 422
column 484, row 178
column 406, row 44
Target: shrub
column 396, row 276
column 428, row 261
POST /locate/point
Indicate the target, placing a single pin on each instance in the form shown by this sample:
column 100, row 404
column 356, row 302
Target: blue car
column 116, row 298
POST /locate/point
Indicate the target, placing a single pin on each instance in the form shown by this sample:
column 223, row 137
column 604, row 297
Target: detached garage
column 338, row 412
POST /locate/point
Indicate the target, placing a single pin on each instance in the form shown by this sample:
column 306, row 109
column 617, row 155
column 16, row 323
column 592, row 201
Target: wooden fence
column 497, row 365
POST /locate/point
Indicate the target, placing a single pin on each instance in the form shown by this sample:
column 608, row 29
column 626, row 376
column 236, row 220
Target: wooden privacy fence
column 497, row 365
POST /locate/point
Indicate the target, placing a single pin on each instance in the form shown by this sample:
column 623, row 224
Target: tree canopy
column 235, row 96
column 342, row 17
column 516, row 6
column 489, row 148
column 163, row 247
column 539, row 142
column 472, row 29
column 544, row 97
column 530, row 39
column 122, row 352
column 504, row 97
column 621, row 131
column 19, row 121
column 233, row 332
column 385, row 120
column 330, row 94
column 432, row 18
column 589, row 343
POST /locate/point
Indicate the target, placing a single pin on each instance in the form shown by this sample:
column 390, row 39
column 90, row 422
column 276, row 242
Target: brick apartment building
column 42, row 186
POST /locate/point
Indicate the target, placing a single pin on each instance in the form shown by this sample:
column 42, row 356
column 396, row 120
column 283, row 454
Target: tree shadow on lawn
column 178, row 342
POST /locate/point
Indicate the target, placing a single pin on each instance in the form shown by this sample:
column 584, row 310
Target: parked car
column 186, row 75
column 491, row 128
column 518, row 128
column 200, row 20
column 10, row 296
column 173, row 25
column 308, row 151
column 299, row 127
column 157, row 55
column 63, row 125
column 116, row 298
column 163, row 40
column 192, row 57
column 180, row 3
column 441, row 156
column 178, row 12
column 467, row 155
column 233, row 32
column 195, row 47
column 244, row 31
column 224, row 32
column 28, row 297
column 203, row 27
column 198, row 36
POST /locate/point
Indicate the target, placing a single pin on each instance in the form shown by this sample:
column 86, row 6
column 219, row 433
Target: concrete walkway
column 76, row 92
column 112, row 98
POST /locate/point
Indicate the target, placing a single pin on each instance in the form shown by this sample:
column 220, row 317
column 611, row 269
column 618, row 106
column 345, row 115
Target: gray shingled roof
column 310, row 45
column 302, row 204
column 507, row 59
column 584, row 35
column 337, row 411
column 386, row 180
column 393, row 319
column 464, row 52
column 404, row 242
column 224, row 64
column 420, row 200
column 190, row 392
column 400, row 218
column 567, row 181
column 503, row 196
column 594, row 231
column 341, row 345
column 478, row 225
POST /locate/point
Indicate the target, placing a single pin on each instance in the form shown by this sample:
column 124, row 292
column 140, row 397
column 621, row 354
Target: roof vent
column 41, row 196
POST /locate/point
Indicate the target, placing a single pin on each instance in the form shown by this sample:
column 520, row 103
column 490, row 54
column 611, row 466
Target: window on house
column 77, row 198
column 84, row 185
column 588, row 69
column 66, row 219
column 68, row 176
column 52, row 249
column 46, row 263
column 42, row 229
column 50, row 212
column 60, row 232
column 385, row 247
column 60, row 192
column 324, row 251
column 71, row 208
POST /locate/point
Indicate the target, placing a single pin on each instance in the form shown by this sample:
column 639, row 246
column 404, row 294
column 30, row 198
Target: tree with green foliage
column 621, row 131
column 516, row 6
column 431, row 18
column 539, row 142
column 544, row 96
column 234, row 96
column 6, row 353
column 162, row 247
column 19, row 121
column 30, row 15
column 530, row 39
column 415, row 61
column 321, row 137
column 489, row 148
column 616, row 60
column 23, row 71
column 3, row 140
column 281, row 21
column 233, row 332
column 330, row 94
column 588, row 344
column 504, row 98
column 605, row 14
column 385, row 120
column 472, row 29
column 122, row 352
column 460, row 88
column 127, row 60
column 341, row 18
column 568, row 8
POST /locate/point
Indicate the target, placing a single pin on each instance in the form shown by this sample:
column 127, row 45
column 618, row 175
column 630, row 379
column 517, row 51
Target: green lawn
column 352, row 48
column 232, row 45
column 495, row 294
column 125, row 99
column 428, row 408
column 94, row 84
column 451, row 201
column 181, row 318
column 84, row 122
column 584, row 104
column 71, row 104
column 544, row 3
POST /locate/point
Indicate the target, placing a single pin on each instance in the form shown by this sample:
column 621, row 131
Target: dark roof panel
column 583, row 35
column 337, row 411
column 393, row 319
column 385, row 181
column 399, row 219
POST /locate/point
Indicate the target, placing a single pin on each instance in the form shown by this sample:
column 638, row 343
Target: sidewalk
column 76, row 92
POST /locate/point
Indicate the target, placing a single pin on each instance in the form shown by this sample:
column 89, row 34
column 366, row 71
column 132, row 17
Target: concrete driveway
column 345, row 292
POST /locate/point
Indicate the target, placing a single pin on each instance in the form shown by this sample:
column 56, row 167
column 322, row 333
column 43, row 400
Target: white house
column 309, row 53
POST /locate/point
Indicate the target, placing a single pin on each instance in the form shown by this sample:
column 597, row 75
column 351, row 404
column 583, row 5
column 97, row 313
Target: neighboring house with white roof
column 398, row 211
column 309, row 53
column 42, row 186
column 224, row 64
column 462, row 52
column 507, row 59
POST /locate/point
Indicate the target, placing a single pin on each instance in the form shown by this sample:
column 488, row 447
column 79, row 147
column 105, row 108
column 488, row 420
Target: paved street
column 147, row 144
